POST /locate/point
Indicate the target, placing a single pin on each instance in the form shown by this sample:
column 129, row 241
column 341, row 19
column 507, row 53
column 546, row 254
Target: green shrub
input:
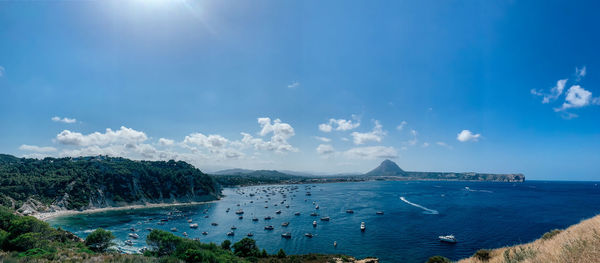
column 438, row 259
column 201, row 256
column 245, row 247
column 99, row 240
column 28, row 241
column 162, row 243
column 551, row 234
column 281, row 253
column 226, row 245
column 483, row 254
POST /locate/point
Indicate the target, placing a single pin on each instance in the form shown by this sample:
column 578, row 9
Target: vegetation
column 483, row 254
column 438, row 259
column 99, row 240
column 78, row 183
column 578, row 243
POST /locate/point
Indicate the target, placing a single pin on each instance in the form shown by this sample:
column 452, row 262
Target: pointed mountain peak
column 387, row 168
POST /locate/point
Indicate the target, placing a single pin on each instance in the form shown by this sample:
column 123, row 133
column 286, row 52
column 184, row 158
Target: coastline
column 44, row 216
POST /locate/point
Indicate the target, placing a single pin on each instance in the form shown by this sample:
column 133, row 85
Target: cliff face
column 94, row 182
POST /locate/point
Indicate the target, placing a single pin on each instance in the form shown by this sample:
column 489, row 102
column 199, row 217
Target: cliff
column 32, row 185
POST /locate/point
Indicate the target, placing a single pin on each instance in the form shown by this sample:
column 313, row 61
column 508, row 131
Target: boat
column 309, row 235
column 362, row 226
column 334, row 243
column 173, row 229
column 379, row 212
column 149, row 229
column 129, row 242
column 448, row 239
column 269, row 228
column 230, row 233
column 350, row 211
column 206, row 216
column 239, row 212
column 285, row 224
column 164, row 220
column 189, row 220
column 185, row 234
column 297, row 213
column 326, row 218
column 268, row 218
column 315, row 223
column 134, row 235
column 204, row 233
column 287, row 206
column 233, row 227
column 132, row 229
column 278, row 212
column 250, row 234
column 317, row 207
column 254, row 219
column 194, row 225
column 313, row 214
column 286, row 235
column 214, row 224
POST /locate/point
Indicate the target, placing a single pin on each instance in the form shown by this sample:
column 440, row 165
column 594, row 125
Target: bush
column 162, row 243
column 99, row 240
column 202, row 256
column 483, row 254
column 281, row 253
column 245, row 247
column 28, row 241
column 226, row 245
column 263, row 253
column 551, row 234
column 438, row 259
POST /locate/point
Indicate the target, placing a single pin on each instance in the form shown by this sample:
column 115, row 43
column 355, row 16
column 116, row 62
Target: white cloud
column 165, row 142
column 278, row 143
column 577, row 97
column 211, row 141
column 38, row 149
column 63, row 120
column 294, row 84
column 401, row 126
column 580, row 73
column 425, row 145
column 323, row 139
column 371, row 152
column 555, row 92
column 1, row 71
column 466, row 135
column 375, row 135
column 325, row 149
column 443, row 144
column 122, row 136
column 414, row 139
column 340, row 124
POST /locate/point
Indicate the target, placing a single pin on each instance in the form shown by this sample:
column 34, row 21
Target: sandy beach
column 48, row 215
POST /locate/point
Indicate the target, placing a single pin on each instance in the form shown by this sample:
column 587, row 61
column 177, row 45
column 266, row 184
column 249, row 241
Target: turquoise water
column 479, row 214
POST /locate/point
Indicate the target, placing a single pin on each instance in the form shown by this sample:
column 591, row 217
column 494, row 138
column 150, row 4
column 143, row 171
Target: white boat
column 129, row 242
column 194, row 225
column 362, row 226
column 314, row 223
column 448, row 239
column 286, row 235
column 134, row 235
column 317, row 207
column 185, row 234
column 173, row 229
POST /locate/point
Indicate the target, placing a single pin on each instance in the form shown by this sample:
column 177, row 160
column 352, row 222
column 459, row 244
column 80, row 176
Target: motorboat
column 239, row 212
column 233, row 227
column 250, row 234
column 185, row 234
column 268, row 218
column 313, row 214
column 230, row 233
column 379, row 212
column 362, row 226
column 269, row 228
column 204, row 233
column 326, row 218
column 173, row 229
column 134, row 235
column 350, row 211
column 214, row 224
column 255, row 219
column 315, row 223
column 129, row 242
column 194, row 225
column 297, row 213
column 309, row 235
column 285, row 224
column 286, row 235
column 278, row 212
column 448, row 239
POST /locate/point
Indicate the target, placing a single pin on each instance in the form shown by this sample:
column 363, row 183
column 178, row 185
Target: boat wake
column 427, row 210
column 473, row 190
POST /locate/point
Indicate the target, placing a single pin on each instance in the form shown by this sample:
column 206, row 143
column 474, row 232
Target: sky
column 315, row 86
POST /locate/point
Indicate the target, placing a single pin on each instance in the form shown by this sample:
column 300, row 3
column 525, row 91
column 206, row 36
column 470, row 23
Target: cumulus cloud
column 371, row 152
column 38, row 149
column 165, row 142
column 554, row 93
column 122, row 136
column 577, row 97
column 211, row 141
column 466, row 135
column 323, row 139
column 339, row 124
column 580, row 73
column 401, row 125
column 325, row 149
column 294, row 84
column 280, row 133
column 375, row 135
column 63, row 120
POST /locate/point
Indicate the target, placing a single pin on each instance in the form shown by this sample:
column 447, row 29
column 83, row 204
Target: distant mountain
column 390, row 170
column 387, row 168
column 232, row 171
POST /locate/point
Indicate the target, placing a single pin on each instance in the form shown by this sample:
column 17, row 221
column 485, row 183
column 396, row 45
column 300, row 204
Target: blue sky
column 307, row 85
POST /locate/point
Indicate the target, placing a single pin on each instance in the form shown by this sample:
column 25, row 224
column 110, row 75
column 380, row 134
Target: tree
column 264, row 253
column 226, row 245
column 99, row 240
column 162, row 242
column 245, row 247
column 197, row 255
column 281, row 253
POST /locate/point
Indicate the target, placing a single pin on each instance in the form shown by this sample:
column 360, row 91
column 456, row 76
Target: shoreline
column 44, row 216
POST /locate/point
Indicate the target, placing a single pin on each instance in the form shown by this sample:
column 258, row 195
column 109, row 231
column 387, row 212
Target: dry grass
column 579, row 243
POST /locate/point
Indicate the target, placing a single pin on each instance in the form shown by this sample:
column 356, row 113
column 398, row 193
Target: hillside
column 249, row 177
column 32, row 185
column 390, row 170
column 578, row 243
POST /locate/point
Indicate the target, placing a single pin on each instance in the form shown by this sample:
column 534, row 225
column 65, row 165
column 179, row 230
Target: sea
column 414, row 214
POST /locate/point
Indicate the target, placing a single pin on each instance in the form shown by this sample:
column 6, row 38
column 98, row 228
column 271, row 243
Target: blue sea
column 415, row 213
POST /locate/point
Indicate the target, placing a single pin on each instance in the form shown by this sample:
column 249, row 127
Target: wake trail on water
column 427, row 210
